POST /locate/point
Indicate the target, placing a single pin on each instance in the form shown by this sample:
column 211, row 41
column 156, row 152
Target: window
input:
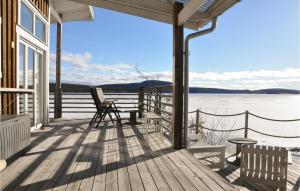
column 32, row 23
column 39, row 29
column 26, row 18
column 30, row 70
column 21, row 65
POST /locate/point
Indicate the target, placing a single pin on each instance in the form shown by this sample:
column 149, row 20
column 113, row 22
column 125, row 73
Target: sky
column 255, row 46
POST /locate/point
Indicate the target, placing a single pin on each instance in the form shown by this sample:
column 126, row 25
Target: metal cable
column 6, row 106
column 218, row 115
column 277, row 136
column 229, row 130
column 279, row 120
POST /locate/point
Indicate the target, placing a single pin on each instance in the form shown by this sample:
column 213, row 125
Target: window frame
column 42, row 46
column 36, row 13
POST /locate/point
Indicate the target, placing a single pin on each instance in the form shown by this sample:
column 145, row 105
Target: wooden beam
column 55, row 14
column 58, row 103
column 177, row 115
column 190, row 9
column 154, row 10
column 220, row 7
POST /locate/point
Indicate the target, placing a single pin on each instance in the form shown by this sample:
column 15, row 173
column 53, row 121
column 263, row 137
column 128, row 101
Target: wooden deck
column 68, row 155
column 232, row 174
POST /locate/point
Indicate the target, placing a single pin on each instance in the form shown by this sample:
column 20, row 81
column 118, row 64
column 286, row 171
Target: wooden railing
column 152, row 99
column 83, row 102
column 159, row 101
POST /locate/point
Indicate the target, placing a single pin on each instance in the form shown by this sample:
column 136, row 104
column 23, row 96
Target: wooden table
column 239, row 142
column 148, row 116
column 132, row 117
column 132, row 114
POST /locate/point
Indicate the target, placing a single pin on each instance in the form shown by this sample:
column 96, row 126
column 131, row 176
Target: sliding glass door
column 30, row 69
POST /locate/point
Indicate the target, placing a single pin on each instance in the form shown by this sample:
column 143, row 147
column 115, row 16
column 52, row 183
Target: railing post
column 197, row 121
column 156, row 101
column 58, row 95
column 159, row 101
column 141, row 101
column 58, row 104
column 246, row 123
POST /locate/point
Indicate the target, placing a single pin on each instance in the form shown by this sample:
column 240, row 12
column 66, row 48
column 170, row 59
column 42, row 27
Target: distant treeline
column 133, row 87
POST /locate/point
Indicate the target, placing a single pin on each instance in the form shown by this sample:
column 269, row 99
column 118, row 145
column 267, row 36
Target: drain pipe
column 186, row 72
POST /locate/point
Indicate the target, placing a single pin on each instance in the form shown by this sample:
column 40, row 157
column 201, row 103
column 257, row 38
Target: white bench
column 196, row 145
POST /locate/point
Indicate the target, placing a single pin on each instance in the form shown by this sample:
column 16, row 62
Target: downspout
column 186, row 72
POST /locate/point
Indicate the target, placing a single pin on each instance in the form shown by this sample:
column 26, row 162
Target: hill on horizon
column 132, row 87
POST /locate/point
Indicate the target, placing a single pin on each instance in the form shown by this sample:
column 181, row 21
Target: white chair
column 264, row 166
column 196, row 146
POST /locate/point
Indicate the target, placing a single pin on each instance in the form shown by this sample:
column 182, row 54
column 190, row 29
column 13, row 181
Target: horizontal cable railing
column 71, row 102
column 199, row 123
column 16, row 92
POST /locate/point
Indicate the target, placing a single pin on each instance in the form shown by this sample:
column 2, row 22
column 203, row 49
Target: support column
column 177, row 116
column 58, row 103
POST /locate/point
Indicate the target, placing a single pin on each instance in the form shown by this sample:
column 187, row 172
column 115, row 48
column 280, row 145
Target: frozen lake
column 269, row 106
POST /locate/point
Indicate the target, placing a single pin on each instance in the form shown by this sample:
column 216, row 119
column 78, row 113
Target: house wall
column 42, row 5
column 9, row 16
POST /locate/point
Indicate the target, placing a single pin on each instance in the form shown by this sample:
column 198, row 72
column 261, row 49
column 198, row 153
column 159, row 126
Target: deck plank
column 158, row 178
column 87, row 182
column 71, row 156
column 133, row 172
column 123, row 176
column 100, row 174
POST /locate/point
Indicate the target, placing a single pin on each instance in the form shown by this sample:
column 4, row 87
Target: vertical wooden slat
column 42, row 5
column 257, row 162
column 14, row 53
column 4, row 50
column 276, row 162
column 263, row 162
column 8, row 63
column 251, row 155
column 270, row 163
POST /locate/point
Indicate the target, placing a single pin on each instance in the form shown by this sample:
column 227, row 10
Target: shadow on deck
column 69, row 155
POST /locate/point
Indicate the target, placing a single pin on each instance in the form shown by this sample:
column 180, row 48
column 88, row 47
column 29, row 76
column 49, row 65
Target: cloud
column 257, row 79
column 117, row 68
column 77, row 61
column 81, row 69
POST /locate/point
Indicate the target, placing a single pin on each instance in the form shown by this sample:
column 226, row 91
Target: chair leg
column 109, row 114
column 94, row 118
column 100, row 119
column 118, row 117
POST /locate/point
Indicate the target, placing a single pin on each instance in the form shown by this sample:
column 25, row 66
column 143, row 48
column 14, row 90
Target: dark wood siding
column 42, row 5
column 9, row 14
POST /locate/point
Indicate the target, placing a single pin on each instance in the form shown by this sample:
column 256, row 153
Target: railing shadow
column 61, row 177
column 29, row 169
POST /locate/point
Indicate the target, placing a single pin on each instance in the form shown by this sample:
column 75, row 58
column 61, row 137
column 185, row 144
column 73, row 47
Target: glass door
column 38, row 89
column 30, row 68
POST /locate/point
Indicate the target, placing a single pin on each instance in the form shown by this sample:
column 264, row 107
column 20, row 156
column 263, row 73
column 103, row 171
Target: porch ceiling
column 162, row 10
column 66, row 11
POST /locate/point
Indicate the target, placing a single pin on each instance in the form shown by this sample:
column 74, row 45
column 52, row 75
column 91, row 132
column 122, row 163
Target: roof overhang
column 203, row 11
column 67, row 11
